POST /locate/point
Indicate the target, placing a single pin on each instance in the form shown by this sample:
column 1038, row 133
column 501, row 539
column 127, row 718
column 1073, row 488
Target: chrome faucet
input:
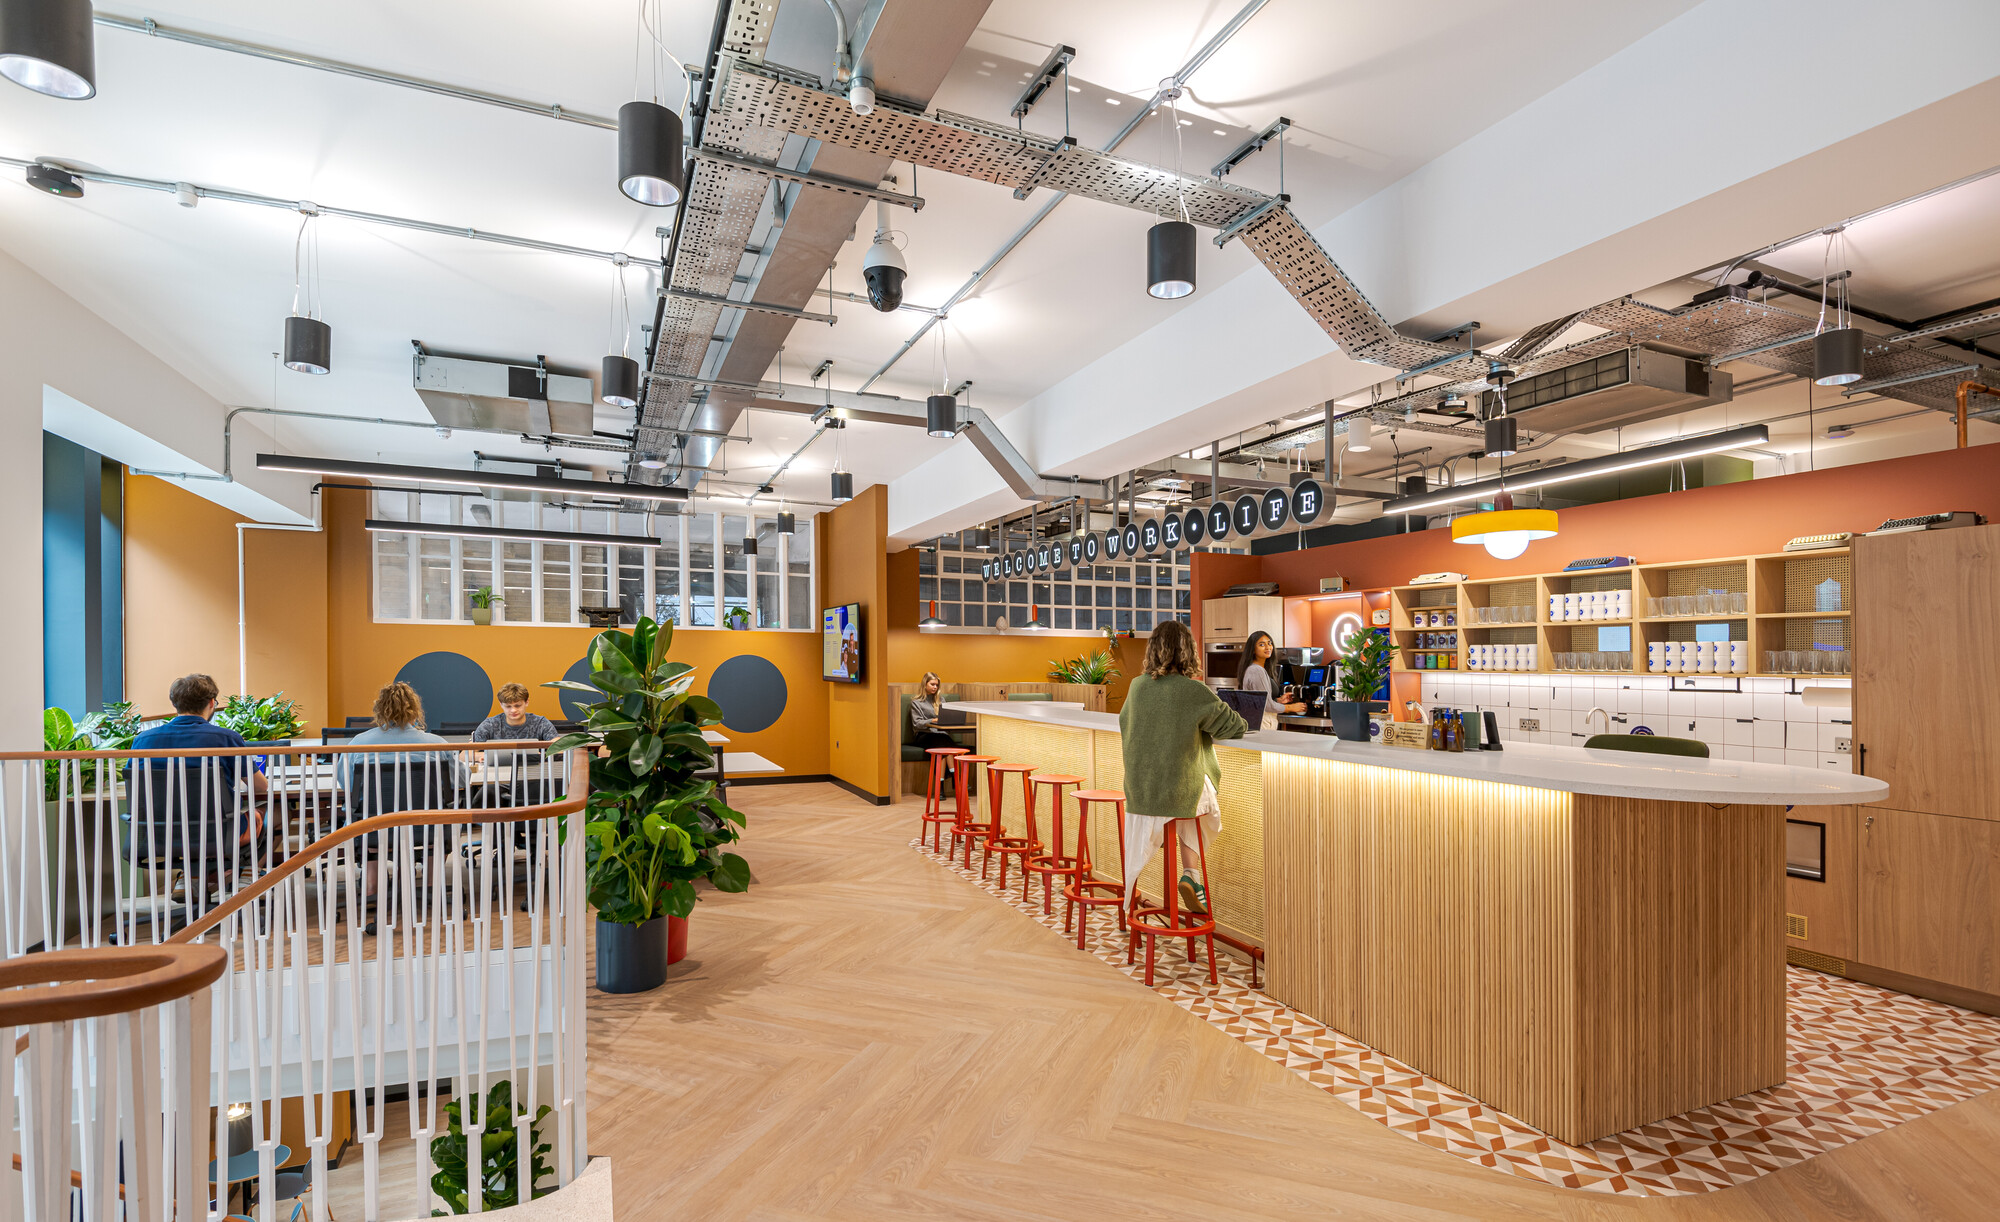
column 1594, row 712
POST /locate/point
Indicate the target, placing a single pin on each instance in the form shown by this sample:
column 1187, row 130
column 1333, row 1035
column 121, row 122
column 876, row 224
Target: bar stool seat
column 936, row 813
column 1085, row 891
column 1052, row 864
column 1022, row 847
column 967, row 827
column 1169, row 920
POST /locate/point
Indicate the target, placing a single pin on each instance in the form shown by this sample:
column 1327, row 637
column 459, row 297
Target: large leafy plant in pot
column 1360, row 674
column 655, row 826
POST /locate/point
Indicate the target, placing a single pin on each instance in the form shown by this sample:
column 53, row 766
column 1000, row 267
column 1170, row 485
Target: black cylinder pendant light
column 619, row 381
column 1170, row 249
column 941, row 416
column 308, row 345
column 649, row 154
column 843, row 486
column 787, row 524
column 1502, row 437
column 48, row 46
column 749, row 545
column 1837, row 356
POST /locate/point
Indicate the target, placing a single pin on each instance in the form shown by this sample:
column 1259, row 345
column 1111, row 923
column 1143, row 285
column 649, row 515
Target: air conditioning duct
column 465, row 393
column 1623, row 387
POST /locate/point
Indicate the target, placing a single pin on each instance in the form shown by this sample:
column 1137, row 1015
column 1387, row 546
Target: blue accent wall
column 83, row 594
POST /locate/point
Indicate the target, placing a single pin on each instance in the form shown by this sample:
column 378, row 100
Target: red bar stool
column 1052, row 864
column 1023, row 847
column 1169, row 921
column 936, row 814
column 1086, row 891
column 968, row 827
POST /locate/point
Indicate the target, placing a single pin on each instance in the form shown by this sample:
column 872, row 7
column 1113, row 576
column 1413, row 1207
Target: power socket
column 1844, row 746
column 1531, row 725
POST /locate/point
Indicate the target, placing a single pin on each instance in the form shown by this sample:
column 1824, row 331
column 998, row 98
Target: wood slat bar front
column 1586, row 964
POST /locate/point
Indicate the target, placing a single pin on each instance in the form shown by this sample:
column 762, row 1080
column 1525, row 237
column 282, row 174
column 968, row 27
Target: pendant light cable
column 649, row 28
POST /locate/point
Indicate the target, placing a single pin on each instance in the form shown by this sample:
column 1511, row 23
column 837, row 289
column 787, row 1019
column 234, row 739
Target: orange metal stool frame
column 966, row 827
column 1052, row 864
column 1085, row 891
column 1166, row 921
column 936, row 814
column 1023, row 847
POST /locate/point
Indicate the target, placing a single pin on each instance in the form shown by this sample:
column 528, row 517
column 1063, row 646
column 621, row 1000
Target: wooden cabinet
column 1231, row 620
column 1930, row 896
column 1820, row 913
column 1927, row 646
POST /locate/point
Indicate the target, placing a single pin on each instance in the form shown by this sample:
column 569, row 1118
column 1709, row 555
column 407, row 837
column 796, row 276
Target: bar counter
column 1587, row 940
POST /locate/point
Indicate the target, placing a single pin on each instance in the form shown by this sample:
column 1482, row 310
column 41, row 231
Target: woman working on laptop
column 925, row 708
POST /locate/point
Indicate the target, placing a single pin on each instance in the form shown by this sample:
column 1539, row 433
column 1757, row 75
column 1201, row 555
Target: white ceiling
column 1373, row 91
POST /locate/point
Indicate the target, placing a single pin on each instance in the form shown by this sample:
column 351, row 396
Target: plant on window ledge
column 1097, row 667
column 737, row 618
column 261, row 718
column 482, row 601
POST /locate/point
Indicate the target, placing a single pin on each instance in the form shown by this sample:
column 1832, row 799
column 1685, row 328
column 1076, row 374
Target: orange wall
column 1727, row 520
column 853, row 568
column 363, row 654
column 180, row 600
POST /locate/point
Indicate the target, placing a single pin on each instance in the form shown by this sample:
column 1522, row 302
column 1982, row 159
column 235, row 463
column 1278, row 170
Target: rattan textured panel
column 1819, row 634
column 1049, row 749
column 1733, row 577
column 1804, row 576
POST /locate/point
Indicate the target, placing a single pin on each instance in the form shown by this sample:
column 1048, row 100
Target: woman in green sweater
column 1169, row 724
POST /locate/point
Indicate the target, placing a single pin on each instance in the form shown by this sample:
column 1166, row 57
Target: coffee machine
column 1312, row 684
column 1296, row 665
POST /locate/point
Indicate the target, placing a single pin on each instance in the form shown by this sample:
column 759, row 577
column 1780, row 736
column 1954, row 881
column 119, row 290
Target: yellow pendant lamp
column 1504, row 531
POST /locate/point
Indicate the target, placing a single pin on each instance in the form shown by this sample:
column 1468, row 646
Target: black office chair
column 457, row 727
column 362, row 722
column 1648, row 744
column 387, row 784
column 185, row 815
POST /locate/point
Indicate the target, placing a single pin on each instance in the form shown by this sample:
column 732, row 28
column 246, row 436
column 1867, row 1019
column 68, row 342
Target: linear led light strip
column 468, row 479
column 501, row 532
column 1671, row 451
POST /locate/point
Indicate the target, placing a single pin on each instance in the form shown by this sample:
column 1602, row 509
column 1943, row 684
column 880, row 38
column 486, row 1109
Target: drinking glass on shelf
column 1687, row 604
column 1704, row 604
column 1652, row 608
column 1739, row 603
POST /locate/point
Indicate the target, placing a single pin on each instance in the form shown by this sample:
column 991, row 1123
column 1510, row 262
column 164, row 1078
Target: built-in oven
column 1221, row 662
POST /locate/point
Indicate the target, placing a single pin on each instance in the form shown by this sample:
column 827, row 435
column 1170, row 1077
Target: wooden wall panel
column 1585, row 964
column 1929, row 905
column 1829, row 907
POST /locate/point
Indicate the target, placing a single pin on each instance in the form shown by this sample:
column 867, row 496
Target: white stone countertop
column 1611, row 774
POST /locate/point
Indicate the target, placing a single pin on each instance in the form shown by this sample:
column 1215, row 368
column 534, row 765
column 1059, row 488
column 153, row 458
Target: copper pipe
column 1965, row 390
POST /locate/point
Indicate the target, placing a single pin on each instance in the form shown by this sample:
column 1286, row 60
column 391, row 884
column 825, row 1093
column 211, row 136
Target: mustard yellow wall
column 363, row 654
column 853, row 568
column 180, row 600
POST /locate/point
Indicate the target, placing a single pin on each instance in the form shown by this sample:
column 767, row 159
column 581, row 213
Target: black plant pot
column 1350, row 719
column 631, row 958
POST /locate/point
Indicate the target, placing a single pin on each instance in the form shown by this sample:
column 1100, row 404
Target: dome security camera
column 883, row 268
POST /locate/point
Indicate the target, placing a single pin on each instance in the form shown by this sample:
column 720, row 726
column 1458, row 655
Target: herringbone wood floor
column 864, row 1036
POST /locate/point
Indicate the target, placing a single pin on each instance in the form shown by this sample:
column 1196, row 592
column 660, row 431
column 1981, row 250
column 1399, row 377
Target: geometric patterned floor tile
column 1859, row 1060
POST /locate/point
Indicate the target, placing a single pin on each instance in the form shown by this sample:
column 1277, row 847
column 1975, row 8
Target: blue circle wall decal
column 573, row 701
column 452, row 686
column 751, row 692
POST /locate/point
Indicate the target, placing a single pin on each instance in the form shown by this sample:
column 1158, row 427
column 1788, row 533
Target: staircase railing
column 384, row 920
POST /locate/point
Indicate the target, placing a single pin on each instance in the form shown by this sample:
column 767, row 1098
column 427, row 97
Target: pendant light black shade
column 1170, row 249
column 619, row 381
column 1837, row 356
column 787, row 524
column 749, row 545
column 649, row 154
column 308, row 345
column 1502, row 437
column 941, row 416
column 47, row 46
column 843, row 486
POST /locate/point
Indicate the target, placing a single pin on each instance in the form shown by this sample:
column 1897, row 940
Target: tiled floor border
column 1861, row 1060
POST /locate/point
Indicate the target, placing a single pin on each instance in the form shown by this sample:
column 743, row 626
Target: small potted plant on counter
column 1361, row 673
column 482, row 601
column 655, row 826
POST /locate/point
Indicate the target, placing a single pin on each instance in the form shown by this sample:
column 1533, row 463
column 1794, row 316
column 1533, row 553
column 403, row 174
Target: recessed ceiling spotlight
column 1111, row 101
column 1076, row 89
column 1187, row 122
column 1220, row 132
column 1835, row 432
column 652, row 462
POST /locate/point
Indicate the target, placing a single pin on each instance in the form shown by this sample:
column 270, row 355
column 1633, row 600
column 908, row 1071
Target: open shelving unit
column 1798, row 603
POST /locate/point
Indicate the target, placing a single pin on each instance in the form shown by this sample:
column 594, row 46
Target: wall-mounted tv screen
column 840, row 644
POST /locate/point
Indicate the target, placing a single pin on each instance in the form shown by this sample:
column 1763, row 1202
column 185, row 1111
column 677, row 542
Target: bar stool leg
column 1201, row 844
column 958, row 776
column 1027, row 875
column 1082, row 872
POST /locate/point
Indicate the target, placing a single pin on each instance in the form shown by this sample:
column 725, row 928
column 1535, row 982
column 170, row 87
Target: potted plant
column 500, row 1181
column 1360, row 673
column 654, row 826
column 1097, row 667
column 261, row 719
column 737, row 618
column 482, row 601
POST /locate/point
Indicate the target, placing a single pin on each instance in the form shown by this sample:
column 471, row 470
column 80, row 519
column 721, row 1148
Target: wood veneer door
column 1926, row 652
column 1930, row 902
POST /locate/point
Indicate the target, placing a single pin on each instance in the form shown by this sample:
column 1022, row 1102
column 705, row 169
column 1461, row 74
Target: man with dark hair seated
column 183, row 810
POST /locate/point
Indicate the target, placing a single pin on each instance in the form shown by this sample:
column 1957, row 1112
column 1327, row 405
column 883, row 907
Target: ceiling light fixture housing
column 48, row 46
column 55, row 181
column 1170, row 249
column 1504, row 531
column 1745, row 437
column 843, row 487
column 619, row 380
column 650, row 168
column 308, row 345
column 384, row 526
column 941, row 416
column 1837, row 356
column 1361, row 434
column 1502, row 437
column 393, row 472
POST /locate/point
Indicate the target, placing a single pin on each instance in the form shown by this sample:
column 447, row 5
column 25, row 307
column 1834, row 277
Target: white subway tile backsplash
column 1768, row 734
column 1680, row 704
column 1733, row 752
column 1769, row 705
column 1802, row 759
column 1708, row 704
column 1709, row 730
column 1653, row 700
column 1768, row 755
column 1736, row 732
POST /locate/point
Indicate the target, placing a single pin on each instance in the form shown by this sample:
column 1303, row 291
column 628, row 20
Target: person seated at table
column 399, row 719
column 194, row 700
column 924, row 732
column 514, row 721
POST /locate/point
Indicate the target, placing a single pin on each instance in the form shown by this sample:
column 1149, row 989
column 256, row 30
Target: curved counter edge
column 1614, row 774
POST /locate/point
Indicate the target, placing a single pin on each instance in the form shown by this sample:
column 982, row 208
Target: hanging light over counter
column 1837, row 356
column 787, row 524
column 1170, row 247
column 931, row 622
column 48, row 46
column 1503, row 437
column 843, row 487
column 1361, row 434
column 1504, row 531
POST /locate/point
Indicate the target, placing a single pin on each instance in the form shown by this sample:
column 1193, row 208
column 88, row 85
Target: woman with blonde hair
column 1168, row 727
column 924, row 709
column 380, row 783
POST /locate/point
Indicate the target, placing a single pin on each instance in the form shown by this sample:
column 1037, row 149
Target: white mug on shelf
column 1704, row 657
column 1621, row 604
column 1656, row 657
column 1675, row 656
column 1555, row 608
column 1593, row 604
column 1739, row 657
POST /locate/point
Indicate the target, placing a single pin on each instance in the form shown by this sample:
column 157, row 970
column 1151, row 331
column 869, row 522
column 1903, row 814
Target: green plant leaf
column 645, row 752
column 732, row 873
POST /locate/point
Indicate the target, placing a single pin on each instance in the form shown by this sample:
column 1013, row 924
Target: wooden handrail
column 497, row 744
column 579, row 786
column 92, row 982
